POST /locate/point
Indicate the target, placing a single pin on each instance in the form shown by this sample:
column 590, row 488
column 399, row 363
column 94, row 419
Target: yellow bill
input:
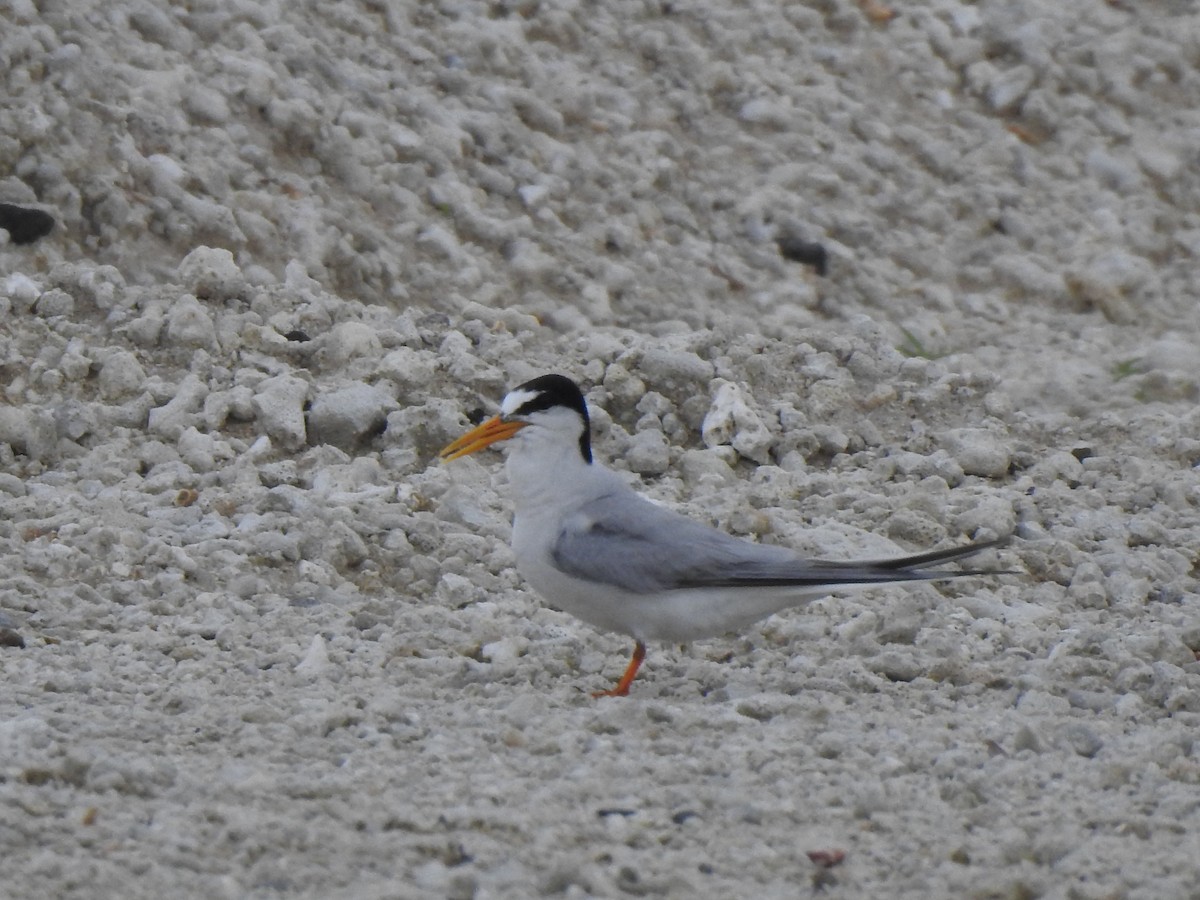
column 493, row 430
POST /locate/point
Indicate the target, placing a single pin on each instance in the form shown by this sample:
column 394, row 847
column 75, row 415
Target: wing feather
column 624, row 540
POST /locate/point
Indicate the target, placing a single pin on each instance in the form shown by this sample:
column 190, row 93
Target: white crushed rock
column 270, row 649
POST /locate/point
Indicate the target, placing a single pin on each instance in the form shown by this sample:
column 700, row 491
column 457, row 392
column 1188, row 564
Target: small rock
column 28, row 431
column 350, row 416
column 764, row 111
column 680, row 369
column 1093, row 701
column 316, row 659
column 623, row 385
column 21, row 290
column 146, row 329
column 425, row 428
column 730, row 420
column 460, row 503
column 279, row 406
column 1087, row 588
column 189, row 324
column 10, row 638
column 978, row 451
column 350, row 339
column 1157, row 161
column 197, row 450
column 1082, row 740
column 1009, row 87
column 211, row 273
column 410, row 370
column 206, row 105
column 793, row 247
column 648, row 453
column 533, row 195
column 761, row 709
column 897, row 665
column 156, row 25
column 1111, row 171
column 11, row 484
column 170, row 420
column 705, row 467
column 54, row 302
column 120, row 375
column 1113, row 283
column 1026, row 739
column 505, row 651
column 902, row 627
column 23, row 224
column 1057, row 465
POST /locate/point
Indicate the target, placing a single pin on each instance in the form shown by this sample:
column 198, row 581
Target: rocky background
column 853, row 278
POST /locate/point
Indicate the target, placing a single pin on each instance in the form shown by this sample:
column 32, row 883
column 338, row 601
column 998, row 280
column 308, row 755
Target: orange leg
column 622, row 688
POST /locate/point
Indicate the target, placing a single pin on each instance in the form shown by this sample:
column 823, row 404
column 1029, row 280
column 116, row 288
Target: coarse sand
column 853, row 278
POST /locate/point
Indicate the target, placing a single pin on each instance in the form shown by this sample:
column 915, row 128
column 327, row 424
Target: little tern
column 593, row 547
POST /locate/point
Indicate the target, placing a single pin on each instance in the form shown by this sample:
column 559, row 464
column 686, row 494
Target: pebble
column 12, row 485
column 1087, row 589
column 897, row 665
column 210, row 273
column 120, row 375
column 25, row 224
column 426, row 427
column 647, row 453
column 504, row 652
column 459, row 196
column 350, row 416
column 54, row 302
column 1111, row 171
column 1027, row 739
column 279, row 407
column 674, row 370
column 200, row 451
column 1083, row 740
column 316, row 658
column 810, row 253
column 730, row 420
column 28, row 431
column 206, row 105
column 21, row 290
column 1009, row 87
column 705, row 468
column 181, row 411
column 189, row 324
column 349, row 340
column 978, row 451
column 1093, row 701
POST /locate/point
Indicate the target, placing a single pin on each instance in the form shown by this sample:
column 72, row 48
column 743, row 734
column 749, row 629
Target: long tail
column 924, row 560
column 829, row 574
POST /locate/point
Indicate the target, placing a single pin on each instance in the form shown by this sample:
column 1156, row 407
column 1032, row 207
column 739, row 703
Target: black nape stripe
column 558, row 390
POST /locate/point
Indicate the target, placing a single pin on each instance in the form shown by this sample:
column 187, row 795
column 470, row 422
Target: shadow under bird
column 595, row 548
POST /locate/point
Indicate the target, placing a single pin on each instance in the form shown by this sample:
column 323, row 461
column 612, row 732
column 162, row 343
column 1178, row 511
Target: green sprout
column 912, row 346
column 1125, row 368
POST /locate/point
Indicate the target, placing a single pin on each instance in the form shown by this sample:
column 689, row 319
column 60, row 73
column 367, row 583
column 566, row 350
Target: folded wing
column 623, row 540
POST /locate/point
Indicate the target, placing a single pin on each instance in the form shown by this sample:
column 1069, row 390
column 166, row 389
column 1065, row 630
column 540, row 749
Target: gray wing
column 624, row 540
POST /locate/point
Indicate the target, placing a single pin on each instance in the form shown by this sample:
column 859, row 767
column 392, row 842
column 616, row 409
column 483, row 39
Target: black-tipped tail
column 820, row 573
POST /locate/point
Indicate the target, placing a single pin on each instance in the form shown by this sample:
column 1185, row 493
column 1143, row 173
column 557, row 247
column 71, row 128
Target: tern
column 595, row 548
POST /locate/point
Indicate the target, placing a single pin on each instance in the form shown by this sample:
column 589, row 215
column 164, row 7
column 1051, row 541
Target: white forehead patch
column 514, row 400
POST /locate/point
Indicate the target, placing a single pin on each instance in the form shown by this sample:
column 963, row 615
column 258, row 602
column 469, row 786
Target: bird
column 597, row 549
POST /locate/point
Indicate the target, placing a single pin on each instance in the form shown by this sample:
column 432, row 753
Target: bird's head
column 551, row 404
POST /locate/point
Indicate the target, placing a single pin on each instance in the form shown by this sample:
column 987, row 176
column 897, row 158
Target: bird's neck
column 543, row 472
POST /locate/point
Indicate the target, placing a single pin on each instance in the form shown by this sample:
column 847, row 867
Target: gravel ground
column 850, row 279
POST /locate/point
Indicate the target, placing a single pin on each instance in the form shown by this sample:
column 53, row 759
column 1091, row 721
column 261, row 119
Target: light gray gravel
column 271, row 651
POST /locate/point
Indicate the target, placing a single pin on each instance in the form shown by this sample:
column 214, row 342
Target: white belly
column 680, row 615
